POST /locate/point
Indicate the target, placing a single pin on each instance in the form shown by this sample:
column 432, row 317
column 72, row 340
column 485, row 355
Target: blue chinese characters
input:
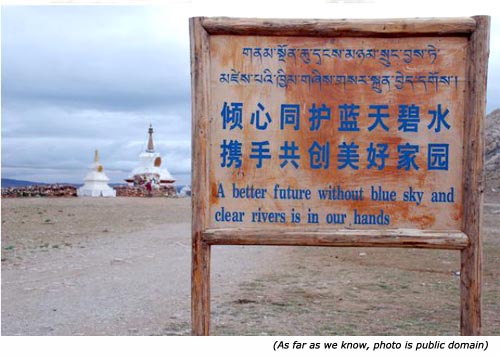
column 349, row 120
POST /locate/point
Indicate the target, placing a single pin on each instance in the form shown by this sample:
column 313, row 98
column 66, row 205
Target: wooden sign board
column 338, row 133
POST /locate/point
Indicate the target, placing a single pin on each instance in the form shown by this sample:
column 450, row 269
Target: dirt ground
column 73, row 266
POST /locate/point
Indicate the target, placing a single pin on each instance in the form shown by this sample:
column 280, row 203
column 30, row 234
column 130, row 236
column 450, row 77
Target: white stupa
column 96, row 182
column 149, row 170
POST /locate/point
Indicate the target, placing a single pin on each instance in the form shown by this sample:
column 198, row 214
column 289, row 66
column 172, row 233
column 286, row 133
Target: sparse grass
column 307, row 291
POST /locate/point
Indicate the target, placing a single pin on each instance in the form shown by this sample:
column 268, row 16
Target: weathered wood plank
column 340, row 27
column 200, row 273
column 471, row 257
column 275, row 175
column 363, row 238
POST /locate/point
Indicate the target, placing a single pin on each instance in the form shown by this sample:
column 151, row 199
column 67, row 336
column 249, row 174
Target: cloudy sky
column 76, row 78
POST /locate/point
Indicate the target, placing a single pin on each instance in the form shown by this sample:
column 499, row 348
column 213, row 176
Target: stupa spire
column 96, row 156
column 151, row 146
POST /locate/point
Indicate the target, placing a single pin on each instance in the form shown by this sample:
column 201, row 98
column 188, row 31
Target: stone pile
column 53, row 190
column 58, row 190
column 141, row 192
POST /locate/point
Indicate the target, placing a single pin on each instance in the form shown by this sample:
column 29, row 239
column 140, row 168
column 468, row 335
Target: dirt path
column 107, row 282
column 134, row 284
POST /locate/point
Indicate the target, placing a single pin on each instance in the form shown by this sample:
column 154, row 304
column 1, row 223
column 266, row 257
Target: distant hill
column 11, row 183
column 492, row 154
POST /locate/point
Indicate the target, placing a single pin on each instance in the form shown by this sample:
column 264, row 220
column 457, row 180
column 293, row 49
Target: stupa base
column 107, row 193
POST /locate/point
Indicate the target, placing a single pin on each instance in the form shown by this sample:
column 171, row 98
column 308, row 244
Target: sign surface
column 358, row 133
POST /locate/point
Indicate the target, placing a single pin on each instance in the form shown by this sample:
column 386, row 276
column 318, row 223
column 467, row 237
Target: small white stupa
column 149, row 171
column 96, row 182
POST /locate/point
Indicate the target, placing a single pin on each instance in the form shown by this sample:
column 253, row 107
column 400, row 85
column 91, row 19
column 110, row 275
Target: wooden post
column 200, row 273
column 200, row 289
column 471, row 256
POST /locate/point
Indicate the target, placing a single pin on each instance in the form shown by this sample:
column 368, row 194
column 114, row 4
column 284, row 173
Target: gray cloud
column 91, row 56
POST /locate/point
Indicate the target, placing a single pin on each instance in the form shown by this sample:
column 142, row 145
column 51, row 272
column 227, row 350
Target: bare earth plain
column 97, row 266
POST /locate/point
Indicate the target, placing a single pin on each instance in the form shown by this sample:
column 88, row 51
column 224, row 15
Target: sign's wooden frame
column 467, row 241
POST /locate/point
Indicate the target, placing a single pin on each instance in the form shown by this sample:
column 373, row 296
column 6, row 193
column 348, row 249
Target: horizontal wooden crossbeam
column 410, row 238
column 339, row 27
